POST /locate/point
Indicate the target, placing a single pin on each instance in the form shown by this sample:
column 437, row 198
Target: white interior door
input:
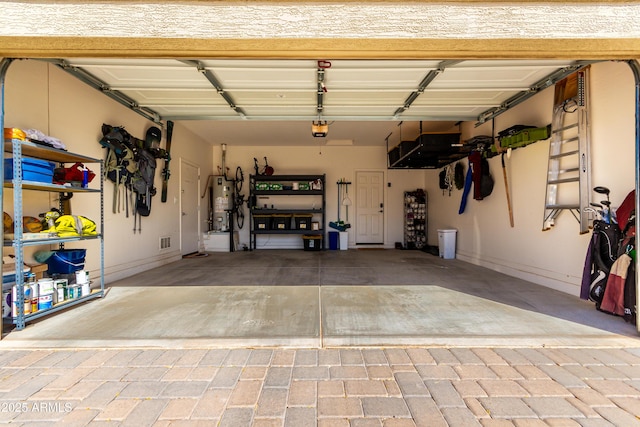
column 189, row 207
column 370, row 207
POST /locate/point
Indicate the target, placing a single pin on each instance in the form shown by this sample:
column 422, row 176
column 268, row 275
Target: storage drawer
column 32, row 170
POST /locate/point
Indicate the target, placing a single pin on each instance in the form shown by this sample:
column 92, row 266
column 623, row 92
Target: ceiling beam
column 282, row 48
column 210, row 76
column 96, row 83
column 426, row 81
column 519, row 98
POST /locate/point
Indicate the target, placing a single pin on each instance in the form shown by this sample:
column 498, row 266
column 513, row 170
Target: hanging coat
column 475, row 162
column 465, row 193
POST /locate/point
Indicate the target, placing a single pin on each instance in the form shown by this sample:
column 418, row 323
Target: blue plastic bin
column 32, row 170
column 334, row 240
column 66, row 261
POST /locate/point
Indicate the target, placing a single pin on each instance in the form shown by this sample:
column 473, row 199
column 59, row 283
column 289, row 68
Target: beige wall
column 42, row 96
column 336, row 162
column 553, row 258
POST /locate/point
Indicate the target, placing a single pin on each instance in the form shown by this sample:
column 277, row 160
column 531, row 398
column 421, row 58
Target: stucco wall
column 327, row 19
column 322, row 29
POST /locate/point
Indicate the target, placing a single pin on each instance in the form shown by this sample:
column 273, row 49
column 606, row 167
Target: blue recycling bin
column 334, row 240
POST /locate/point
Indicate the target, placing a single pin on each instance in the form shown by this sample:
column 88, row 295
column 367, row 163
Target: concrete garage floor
column 303, row 299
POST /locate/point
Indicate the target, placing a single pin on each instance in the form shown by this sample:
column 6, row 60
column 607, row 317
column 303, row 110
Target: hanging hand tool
column 166, row 173
column 346, row 201
column 506, row 187
column 339, row 198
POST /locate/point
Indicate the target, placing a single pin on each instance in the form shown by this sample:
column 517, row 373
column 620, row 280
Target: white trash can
column 447, row 243
column 344, row 240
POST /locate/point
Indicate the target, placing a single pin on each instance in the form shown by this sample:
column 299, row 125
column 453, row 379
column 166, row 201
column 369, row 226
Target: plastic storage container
column 66, row 261
column 32, row 170
column 334, row 240
column 312, row 243
column 447, row 243
column 344, row 240
column 302, row 221
column 262, row 222
column 281, row 221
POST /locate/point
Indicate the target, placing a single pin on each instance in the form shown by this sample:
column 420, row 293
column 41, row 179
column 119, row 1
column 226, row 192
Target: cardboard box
column 39, row 270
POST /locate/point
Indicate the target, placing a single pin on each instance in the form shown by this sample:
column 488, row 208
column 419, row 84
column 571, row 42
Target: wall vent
column 165, row 242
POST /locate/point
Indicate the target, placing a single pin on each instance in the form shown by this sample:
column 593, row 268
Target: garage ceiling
column 262, row 102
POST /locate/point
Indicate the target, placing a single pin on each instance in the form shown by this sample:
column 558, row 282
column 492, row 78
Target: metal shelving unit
column 20, row 149
column 286, row 180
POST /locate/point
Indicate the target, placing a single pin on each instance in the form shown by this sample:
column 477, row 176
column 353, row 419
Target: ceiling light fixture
column 319, row 129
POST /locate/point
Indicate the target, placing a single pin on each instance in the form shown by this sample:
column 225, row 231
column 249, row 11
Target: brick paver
column 303, row 393
column 346, row 387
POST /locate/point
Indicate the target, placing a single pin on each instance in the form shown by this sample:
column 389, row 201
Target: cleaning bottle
column 85, row 177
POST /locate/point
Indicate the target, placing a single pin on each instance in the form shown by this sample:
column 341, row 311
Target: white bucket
column 45, row 286
column 45, row 301
column 28, row 295
column 82, row 277
column 45, row 294
column 344, row 240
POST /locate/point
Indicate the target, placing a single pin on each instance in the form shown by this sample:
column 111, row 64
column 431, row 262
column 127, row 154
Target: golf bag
column 608, row 277
column 601, row 254
column 620, row 291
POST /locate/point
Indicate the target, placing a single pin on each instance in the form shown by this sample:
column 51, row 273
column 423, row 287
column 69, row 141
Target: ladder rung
column 566, row 171
column 564, row 128
column 572, row 139
column 569, row 170
column 568, row 153
column 563, row 181
column 562, row 207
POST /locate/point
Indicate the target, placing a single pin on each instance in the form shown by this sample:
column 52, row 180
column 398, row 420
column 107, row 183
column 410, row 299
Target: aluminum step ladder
column 569, row 169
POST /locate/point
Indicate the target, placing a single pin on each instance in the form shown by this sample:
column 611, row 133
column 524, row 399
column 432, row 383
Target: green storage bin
column 525, row 137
